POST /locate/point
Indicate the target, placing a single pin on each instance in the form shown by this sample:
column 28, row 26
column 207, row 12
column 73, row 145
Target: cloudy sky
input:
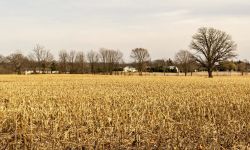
column 161, row 26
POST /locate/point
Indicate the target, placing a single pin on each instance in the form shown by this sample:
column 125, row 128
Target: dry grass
column 118, row 112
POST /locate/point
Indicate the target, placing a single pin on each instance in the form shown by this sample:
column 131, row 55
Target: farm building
column 27, row 72
column 129, row 69
column 173, row 68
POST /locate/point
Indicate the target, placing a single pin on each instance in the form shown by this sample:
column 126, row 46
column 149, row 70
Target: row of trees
column 211, row 49
column 41, row 60
column 75, row 62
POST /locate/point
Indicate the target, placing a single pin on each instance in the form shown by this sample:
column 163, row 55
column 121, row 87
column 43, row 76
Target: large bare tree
column 184, row 60
column 212, row 46
column 140, row 56
column 17, row 61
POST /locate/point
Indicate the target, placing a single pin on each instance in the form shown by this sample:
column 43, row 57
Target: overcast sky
column 161, row 26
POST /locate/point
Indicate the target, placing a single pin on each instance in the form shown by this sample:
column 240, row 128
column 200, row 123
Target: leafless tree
column 32, row 62
column 184, row 60
column 115, row 57
column 41, row 57
column 53, row 66
column 93, row 59
column 37, row 54
column 17, row 60
column 5, row 66
column 140, row 56
column 2, row 58
column 46, row 60
column 212, row 46
column 104, row 58
column 110, row 58
column 63, row 61
column 80, row 61
column 2, row 64
column 71, row 60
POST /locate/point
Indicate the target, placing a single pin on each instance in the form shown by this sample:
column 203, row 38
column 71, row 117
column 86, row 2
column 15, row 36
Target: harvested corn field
column 124, row 112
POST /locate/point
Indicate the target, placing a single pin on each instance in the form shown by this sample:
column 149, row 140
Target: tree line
column 210, row 49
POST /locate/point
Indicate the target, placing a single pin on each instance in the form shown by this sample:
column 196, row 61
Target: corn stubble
column 118, row 112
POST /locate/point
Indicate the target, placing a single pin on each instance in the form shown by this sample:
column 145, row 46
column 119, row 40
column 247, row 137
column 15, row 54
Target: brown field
column 124, row 112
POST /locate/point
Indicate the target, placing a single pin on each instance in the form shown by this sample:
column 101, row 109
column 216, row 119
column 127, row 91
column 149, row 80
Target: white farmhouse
column 129, row 69
column 173, row 68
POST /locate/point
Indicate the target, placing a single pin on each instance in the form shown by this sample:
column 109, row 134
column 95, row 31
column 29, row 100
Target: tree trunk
column 210, row 73
column 185, row 73
column 92, row 68
column 19, row 72
column 34, row 70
